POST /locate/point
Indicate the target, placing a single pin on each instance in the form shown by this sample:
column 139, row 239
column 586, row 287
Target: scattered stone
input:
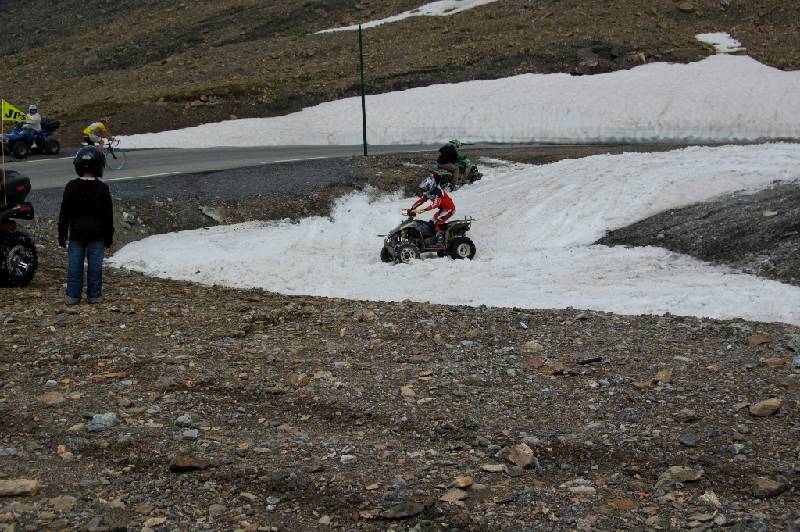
column 462, row 482
column 216, row 509
column 521, row 455
column 766, row 408
column 347, row 458
column 184, row 421
column 408, row 392
column 681, row 474
column 796, row 362
column 52, row 398
column 686, row 415
column 664, row 376
column 532, row 346
column 688, row 440
column 764, row 487
column 65, row 503
column 299, row 380
column 190, row 435
column 101, row 422
column 325, row 520
column 623, row 504
column 686, row 7
column 20, row 486
column 154, row 522
column 8, row 451
column 758, row 339
column 582, row 490
column 51, row 383
column 454, row 495
column 185, row 463
column 403, row 510
column 494, row 468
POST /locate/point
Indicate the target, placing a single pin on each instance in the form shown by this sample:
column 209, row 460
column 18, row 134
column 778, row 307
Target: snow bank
column 723, row 42
column 534, row 230
column 722, row 98
column 442, row 8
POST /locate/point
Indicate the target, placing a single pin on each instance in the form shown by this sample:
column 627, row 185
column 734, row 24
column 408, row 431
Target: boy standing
column 86, row 219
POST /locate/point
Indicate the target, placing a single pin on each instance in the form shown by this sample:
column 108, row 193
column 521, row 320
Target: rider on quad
column 441, row 200
column 32, row 125
column 450, row 159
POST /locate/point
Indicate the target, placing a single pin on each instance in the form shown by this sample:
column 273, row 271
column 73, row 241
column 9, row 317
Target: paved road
column 54, row 172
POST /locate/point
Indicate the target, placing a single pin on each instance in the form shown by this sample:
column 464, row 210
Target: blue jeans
column 93, row 253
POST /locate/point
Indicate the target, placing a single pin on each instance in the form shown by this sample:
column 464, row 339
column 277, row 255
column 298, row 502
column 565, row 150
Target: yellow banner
column 12, row 114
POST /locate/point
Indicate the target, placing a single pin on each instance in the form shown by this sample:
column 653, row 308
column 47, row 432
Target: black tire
column 52, row 146
column 19, row 149
column 405, row 253
column 461, row 248
column 18, row 259
column 385, row 256
column 116, row 159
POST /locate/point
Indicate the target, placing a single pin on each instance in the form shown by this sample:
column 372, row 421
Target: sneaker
column 71, row 300
column 95, row 300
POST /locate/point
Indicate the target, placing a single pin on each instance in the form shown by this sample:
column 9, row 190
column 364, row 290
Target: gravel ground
column 755, row 233
column 173, row 406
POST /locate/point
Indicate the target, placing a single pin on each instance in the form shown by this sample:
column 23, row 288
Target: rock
column 681, row 474
column 687, row 415
column 216, row 509
column 686, row 7
column 764, row 487
column 403, row 510
column 325, row 520
column 8, row 451
column 766, row 408
column 51, row 383
column 796, row 362
column 408, row 392
column 52, row 398
column 462, row 482
column 454, row 495
column 688, row 440
column 154, row 522
column 299, row 380
column 185, row 463
column 532, row 346
column 494, row 468
column 582, row 490
column 623, row 504
column 100, row 422
column 184, row 421
column 664, row 376
column 65, row 503
column 20, row 486
column 521, row 455
column 758, row 339
column 190, row 435
column 347, row 458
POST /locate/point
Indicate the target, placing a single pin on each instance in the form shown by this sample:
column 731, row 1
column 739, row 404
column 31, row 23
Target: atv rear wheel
column 385, row 256
column 405, row 253
column 19, row 149
column 461, row 248
column 18, row 259
column 51, row 146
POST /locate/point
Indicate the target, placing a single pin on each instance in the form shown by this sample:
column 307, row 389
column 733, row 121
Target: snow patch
column 534, row 231
column 442, row 8
column 723, row 98
column 723, row 42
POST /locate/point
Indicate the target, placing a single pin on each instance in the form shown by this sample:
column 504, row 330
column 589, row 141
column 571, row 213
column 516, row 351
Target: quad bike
column 17, row 143
column 18, row 258
column 412, row 237
column 469, row 174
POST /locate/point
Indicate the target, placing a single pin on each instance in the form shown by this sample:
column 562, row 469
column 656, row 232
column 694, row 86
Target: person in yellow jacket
column 97, row 131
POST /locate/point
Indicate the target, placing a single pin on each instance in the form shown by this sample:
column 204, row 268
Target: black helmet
column 427, row 184
column 89, row 159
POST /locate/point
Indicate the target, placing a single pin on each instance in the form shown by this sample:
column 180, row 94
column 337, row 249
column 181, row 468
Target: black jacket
column 87, row 214
column 447, row 155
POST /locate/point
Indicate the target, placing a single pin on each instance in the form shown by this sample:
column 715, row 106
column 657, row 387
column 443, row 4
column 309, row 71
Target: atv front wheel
column 461, row 248
column 385, row 256
column 19, row 149
column 18, row 259
column 51, row 146
column 405, row 253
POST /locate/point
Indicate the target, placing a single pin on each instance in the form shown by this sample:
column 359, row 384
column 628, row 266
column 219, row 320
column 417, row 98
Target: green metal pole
column 363, row 93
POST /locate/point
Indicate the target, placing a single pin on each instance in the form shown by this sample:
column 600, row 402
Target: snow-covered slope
column 534, row 230
column 722, row 98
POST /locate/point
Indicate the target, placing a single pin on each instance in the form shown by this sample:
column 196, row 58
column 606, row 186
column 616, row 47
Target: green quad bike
column 18, row 257
column 469, row 174
column 412, row 237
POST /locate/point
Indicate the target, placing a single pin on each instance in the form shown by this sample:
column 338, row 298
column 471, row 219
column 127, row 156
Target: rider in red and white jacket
column 441, row 200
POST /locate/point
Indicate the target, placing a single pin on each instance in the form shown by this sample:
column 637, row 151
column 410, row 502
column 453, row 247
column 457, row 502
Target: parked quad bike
column 17, row 143
column 412, row 237
column 18, row 258
column 445, row 179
